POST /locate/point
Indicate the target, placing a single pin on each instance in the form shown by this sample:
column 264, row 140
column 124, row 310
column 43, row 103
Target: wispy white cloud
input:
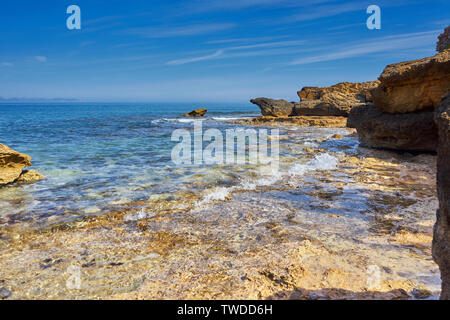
column 179, row 31
column 198, row 6
column 225, row 52
column 384, row 44
column 7, row 64
column 41, row 58
column 237, row 40
column 196, row 59
column 325, row 11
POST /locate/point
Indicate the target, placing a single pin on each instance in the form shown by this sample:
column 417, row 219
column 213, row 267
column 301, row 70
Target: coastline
column 262, row 243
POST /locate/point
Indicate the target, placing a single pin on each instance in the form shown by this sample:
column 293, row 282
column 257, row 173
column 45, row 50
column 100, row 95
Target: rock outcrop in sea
column 12, row 164
column 196, row 113
column 401, row 117
column 441, row 240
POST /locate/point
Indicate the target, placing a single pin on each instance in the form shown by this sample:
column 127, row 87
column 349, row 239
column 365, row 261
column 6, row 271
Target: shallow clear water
column 98, row 155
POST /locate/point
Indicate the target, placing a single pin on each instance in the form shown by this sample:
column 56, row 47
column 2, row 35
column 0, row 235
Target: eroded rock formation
column 336, row 100
column 413, row 85
column 12, row 164
column 441, row 240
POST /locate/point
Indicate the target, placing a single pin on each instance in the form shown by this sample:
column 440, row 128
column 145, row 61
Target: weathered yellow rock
column 413, row 85
column 336, row 100
column 196, row 113
column 30, row 176
column 11, row 164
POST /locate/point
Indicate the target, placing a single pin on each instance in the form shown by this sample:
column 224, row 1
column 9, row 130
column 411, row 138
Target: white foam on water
column 141, row 214
column 323, row 161
column 247, row 185
column 228, row 118
column 216, row 194
column 269, row 177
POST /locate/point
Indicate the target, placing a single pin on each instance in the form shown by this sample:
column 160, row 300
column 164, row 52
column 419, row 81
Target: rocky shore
column 404, row 110
column 354, row 220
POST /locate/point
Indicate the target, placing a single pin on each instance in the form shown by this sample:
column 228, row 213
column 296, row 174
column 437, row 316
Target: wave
column 267, row 178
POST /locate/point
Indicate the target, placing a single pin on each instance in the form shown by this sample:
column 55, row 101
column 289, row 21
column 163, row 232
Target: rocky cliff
column 413, row 85
column 401, row 117
column 408, row 132
column 441, row 240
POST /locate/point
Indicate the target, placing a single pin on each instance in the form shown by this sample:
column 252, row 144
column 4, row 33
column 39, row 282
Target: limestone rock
column 444, row 40
column 11, row 164
column 441, row 240
column 274, row 108
column 29, row 176
column 196, row 113
column 413, row 85
column 336, row 100
column 408, row 132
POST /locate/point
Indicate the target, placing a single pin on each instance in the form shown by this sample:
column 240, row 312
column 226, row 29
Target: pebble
column 5, row 293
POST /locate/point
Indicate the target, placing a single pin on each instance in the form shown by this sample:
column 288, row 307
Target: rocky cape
column 335, row 101
column 12, row 164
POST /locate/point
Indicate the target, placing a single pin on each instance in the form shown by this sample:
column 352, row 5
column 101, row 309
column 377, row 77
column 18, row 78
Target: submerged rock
column 413, row 85
column 336, row 100
column 274, row 108
column 409, row 132
column 325, row 122
column 30, row 176
column 196, row 113
column 441, row 240
column 11, row 164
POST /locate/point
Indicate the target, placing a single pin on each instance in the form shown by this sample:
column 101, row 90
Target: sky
column 205, row 50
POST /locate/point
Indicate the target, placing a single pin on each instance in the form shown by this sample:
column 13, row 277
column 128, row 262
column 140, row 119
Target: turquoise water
column 97, row 155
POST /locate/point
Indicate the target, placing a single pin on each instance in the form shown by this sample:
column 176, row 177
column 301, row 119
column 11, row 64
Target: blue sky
column 205, row 50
